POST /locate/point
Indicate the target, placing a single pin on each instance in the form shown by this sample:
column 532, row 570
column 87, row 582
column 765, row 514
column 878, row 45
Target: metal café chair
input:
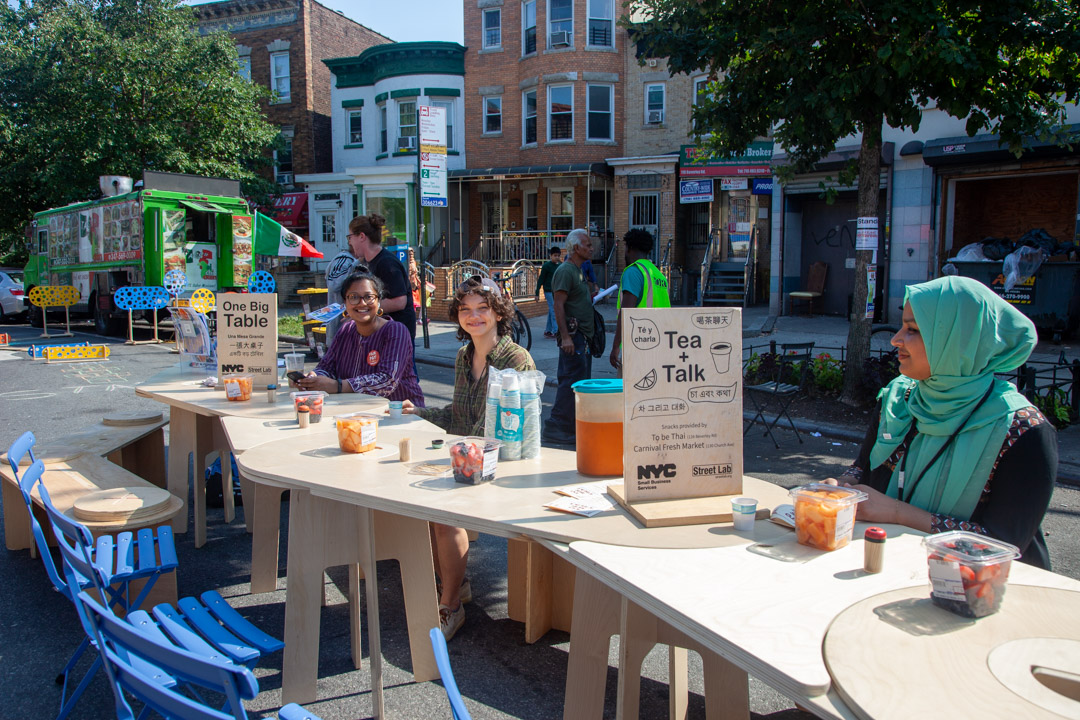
column 442, row 660
column 793, row 358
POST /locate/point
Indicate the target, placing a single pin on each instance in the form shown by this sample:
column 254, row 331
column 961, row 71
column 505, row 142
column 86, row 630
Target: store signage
column 755, row 161
column 734, row 183
column 761, row 186
column 433, row 177
column 695, row 191
column 247, row 336
column 866, row 233
column 682, row 414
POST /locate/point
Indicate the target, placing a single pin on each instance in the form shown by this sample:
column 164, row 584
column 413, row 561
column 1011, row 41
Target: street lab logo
column 238, row 368
column 716, row 470
column 644, row 472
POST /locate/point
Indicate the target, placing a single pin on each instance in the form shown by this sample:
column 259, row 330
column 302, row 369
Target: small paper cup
column 395, row 408
column 743, row 513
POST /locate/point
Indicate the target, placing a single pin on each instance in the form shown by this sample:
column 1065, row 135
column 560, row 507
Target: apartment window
column 244, row 67
column 283, row 158
column 279, row 76
column 528, row 115
column 701, row 92
column 561, row 112
column 492, row 29
column 528, row 27
column 355, row 127
column 654, row 103
column 599, row 121
column 560, row 23
column 492, row 114
column 406, row 125
column 531, row 217
column 561, row 210
column 448, row 106
column 382, row 128
column 601, row 23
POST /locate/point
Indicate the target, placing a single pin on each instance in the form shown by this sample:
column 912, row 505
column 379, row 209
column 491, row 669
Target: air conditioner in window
column 285, row 178
column 406, row 143
column 656, row 117
column 560, row 38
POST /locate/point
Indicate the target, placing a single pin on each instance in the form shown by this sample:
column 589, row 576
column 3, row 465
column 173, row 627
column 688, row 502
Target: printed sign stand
column 682, row 415
column 47, row 296
column 247, row 336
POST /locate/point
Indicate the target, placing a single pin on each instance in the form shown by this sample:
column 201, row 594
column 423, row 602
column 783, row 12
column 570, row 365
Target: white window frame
column 525, row 27
column 485, row 30
column 551, row 193
column 350, row 115
column 331, row 236
column 448, row 106
column 568, row 23
column 289, row 134
column 243, row 67
column 401, row 128
column 663, row 101
column 550, row 124
column 525, row 117
column 277, row 81
column 610, row 20
column 697, row 87
column 610, row 111
column 483, row 120
column 384, row 140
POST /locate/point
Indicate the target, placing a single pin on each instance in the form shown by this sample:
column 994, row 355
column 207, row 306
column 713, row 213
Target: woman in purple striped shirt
column 371, row 353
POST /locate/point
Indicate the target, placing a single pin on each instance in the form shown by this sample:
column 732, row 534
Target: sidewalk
column 759, row 328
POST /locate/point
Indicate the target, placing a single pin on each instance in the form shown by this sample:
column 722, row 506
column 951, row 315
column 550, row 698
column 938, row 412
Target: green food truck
column 201, row 226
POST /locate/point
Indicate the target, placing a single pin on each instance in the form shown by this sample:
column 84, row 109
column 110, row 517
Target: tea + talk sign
column 682, row 394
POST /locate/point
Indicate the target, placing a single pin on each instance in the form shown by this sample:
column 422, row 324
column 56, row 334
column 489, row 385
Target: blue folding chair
column 442, row 660
column 210, row 628
column 120, row 642
column 156, row 556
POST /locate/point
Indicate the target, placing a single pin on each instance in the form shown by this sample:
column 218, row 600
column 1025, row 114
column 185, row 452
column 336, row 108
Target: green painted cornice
column 396, row 59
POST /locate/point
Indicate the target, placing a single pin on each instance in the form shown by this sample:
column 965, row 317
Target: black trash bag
column 997, row 248
column 214, row 497
column 1038, row 238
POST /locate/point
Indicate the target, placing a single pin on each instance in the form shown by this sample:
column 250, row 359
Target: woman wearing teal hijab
column 954, row 447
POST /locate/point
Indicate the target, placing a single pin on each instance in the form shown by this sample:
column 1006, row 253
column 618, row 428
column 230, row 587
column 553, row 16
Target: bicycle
column 519, row 327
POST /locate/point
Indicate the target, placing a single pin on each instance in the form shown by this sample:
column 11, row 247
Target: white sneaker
column 450, row 621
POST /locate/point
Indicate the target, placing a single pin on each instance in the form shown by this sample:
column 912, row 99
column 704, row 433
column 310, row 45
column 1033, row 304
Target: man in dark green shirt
column 547, row 271
column 573, row 307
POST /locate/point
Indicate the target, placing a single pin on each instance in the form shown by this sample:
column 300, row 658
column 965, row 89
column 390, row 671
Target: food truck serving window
column 205, row 207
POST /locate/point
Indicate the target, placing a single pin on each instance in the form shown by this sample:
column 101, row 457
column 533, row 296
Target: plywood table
column 322, row 477
column 765, row 606
column 194, row 428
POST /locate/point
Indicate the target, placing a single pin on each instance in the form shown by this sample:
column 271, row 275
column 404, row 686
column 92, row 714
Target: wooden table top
column 510, row 506
column 767, row 605
column 97, row 439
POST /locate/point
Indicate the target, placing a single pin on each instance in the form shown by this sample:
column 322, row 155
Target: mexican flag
column 273, row 239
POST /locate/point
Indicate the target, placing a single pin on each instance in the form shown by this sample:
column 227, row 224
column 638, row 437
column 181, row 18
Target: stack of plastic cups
column 530, row 433
column 510, row 416
column 491, row 415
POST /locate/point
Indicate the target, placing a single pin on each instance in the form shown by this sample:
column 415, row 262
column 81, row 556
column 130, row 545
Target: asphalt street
column 498, row 673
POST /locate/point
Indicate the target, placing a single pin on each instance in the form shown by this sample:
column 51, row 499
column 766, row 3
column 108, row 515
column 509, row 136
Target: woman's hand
column 311, row 381
column 407, row 408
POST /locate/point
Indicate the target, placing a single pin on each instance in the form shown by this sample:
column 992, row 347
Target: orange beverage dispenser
column 598, row 405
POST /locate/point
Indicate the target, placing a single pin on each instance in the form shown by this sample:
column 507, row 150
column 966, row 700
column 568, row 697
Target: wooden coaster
column 121, row 504
column 127, row 419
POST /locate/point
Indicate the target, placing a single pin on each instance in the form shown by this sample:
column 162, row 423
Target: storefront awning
column 291, row 210
column 203, row 206
column 964, row 150
column 520, row 171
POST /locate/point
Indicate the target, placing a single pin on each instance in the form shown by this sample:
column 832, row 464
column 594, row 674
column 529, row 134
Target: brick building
column 544, row 102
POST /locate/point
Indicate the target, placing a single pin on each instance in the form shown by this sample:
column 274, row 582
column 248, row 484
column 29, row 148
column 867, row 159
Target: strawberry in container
column 473, row 459
column 312, row 400
column 968, row 571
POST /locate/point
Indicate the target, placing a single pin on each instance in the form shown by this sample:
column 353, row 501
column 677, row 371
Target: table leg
column 678, row 689
column 247, row 493
column 263, row 506
column 204, row 441
column 17, row 533
column 366, row 543
column 181, row 444
column 596, row 618
column 221, row 445
column 146, row 458
column 637, row 636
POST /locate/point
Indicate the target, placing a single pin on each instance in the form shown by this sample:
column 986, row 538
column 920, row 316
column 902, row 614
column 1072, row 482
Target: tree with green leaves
column 113, row 87
column 809, row 74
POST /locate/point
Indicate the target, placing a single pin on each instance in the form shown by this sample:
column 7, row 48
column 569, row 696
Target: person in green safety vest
column 642, row 285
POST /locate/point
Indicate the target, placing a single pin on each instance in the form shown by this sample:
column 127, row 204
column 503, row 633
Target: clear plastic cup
column 238, row 386
column 743, row 513
column 294, row 362
column 356, row 432
column 825, row 514
column 968, row 571
column 474, row 459
column 312, row 400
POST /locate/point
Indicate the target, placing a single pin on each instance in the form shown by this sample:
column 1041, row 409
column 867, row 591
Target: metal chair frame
column 783, row 392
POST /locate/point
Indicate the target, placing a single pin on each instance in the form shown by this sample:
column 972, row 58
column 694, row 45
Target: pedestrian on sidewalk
column 574, row 316
column 547, row 271
column 642, row 285
column 341, row 266
column 483, row 315
column 953, row 447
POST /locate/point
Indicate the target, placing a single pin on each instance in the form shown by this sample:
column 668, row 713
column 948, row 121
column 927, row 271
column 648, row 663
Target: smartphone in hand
column 296, row 376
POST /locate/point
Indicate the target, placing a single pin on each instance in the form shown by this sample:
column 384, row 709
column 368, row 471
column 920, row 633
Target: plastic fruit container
column 356, row 432
column 312, row 400
column 968, row 571
column 825, row 514
column 238, row 387
column 474, row 459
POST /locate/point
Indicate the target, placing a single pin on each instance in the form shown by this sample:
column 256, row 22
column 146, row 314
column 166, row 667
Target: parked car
column 12, row 297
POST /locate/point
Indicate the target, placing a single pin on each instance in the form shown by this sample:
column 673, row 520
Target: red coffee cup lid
column 875, row 533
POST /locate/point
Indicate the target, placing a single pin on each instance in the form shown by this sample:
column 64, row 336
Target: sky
column 406, row 20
